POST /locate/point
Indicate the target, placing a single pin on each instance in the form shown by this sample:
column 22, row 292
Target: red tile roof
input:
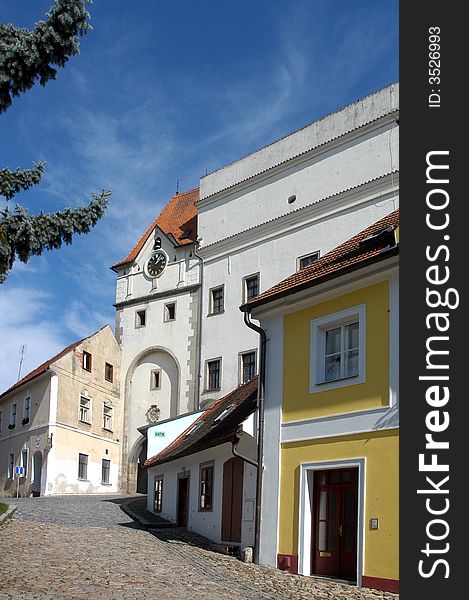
column 209, row 430
column 177, row 217
column 45, row 366
column 352, row 254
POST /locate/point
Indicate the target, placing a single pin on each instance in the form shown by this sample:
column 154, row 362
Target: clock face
column 156, row 264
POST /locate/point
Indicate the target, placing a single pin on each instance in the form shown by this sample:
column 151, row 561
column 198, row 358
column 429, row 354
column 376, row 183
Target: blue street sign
column 19, row 471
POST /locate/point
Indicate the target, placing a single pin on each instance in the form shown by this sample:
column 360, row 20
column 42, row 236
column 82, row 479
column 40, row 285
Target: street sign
column 19, row 471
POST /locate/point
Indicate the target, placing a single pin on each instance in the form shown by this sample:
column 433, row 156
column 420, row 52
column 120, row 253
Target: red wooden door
column 334, row 535
column 232, row 503
column 183, row 501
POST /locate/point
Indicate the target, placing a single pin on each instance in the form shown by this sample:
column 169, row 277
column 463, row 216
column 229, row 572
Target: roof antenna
column 22, row 353
column 177, row 187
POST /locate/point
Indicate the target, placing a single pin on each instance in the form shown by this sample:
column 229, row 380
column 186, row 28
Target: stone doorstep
column 6, row 515
column 154, row 523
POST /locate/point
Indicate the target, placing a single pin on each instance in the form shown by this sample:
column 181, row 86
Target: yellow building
column 330, row 479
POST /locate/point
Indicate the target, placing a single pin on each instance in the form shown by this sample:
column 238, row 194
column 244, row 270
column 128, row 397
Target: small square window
column 206, row 488
column 155, row 379
column 105, row 470
column 213, row 375
column 247, row 366
column 140, row 318
column 217, row 300
column 86, row 364
column 158, row 497
column 108, row 372
column 251, row 287
column 83, row 467
column 308, row 259
column 338, row 349
column 84, row 414
column 170, row 311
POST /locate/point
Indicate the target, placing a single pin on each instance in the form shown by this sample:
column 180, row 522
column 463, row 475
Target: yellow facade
column 377, row 449
column 298, row 402
column 381, row 453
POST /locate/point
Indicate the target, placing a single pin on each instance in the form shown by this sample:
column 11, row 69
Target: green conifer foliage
column 28, row 57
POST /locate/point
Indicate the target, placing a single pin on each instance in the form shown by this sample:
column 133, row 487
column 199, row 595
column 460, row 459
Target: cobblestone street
column 86, row 547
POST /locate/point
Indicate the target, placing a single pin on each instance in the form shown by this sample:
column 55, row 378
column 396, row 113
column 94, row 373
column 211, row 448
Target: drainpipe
column 199, row 331
column 260, row 439
column 234, row 449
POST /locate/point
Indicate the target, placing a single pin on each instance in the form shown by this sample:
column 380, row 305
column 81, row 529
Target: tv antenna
column 21, row 358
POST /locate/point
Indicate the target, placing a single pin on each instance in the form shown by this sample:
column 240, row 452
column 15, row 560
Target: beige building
column 62, row 423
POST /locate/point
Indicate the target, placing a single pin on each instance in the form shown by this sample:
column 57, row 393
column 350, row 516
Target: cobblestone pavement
column 87, row 548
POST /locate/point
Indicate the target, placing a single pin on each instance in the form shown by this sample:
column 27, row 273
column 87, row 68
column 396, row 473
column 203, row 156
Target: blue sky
column 165, row 91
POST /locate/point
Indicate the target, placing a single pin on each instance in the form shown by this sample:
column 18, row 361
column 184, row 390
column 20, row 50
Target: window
column 107, row 417
column 26, row 410
column 83, row 467
column 155, row 379
column 1, row 420
column 85, row 410
column 170, row 311
column 140, row 318
column 206, row 487
column 213, row 374
column 14, row 408
column 108, row 372
column 105, row 470
column 217, row 300
column 11, row 465
column 24, row 461
column 158, row 497
column 86, row 364
column 247, row 366
column 308, row 259
column 251, row 287
column 338, row 349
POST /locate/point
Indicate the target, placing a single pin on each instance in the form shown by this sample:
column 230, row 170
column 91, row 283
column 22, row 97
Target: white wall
column 207, row 523
column 162, row 434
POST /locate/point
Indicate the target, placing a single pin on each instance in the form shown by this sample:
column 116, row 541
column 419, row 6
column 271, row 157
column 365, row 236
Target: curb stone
column 6, row 515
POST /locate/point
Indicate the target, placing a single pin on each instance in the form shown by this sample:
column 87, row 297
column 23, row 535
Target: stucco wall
column 207, row 523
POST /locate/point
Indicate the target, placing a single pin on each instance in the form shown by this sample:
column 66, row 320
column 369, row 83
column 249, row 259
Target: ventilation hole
column 291, row 199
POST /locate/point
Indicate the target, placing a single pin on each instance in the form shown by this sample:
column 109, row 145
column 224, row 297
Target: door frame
column 305, row 516
column 183, row 475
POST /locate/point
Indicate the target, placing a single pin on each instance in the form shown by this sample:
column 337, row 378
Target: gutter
column 260, row 439
column 199, row 332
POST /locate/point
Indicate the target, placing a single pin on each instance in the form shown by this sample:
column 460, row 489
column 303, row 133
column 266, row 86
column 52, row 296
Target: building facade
column 331, row 414
column 205, row 480
column 61, row 423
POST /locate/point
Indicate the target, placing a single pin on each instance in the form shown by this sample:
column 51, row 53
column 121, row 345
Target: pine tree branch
column 27, row 56
column 12, row 182
column 23, row 235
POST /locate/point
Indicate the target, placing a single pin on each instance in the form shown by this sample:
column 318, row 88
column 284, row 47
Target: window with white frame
column 307, row 259
column 158, row 494
column 217, row 300
column 84, row 414
column 155, row 379
column 11, row 465
column 14, row 408
column 251, row 287
column 26, row 409
column 83, row 466
column 247, row 366
column 24, row 461
column 338, row 349
column 105, row 470
column 213, row 375
column 107, row 416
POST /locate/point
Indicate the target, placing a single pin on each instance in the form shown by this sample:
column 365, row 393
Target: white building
column 205, row 479
column 61, row 423
column 253, row 223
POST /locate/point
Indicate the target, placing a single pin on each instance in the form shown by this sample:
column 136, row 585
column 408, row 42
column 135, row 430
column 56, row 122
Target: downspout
column 234, row 449
column 199, row 331
column 260, row 440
